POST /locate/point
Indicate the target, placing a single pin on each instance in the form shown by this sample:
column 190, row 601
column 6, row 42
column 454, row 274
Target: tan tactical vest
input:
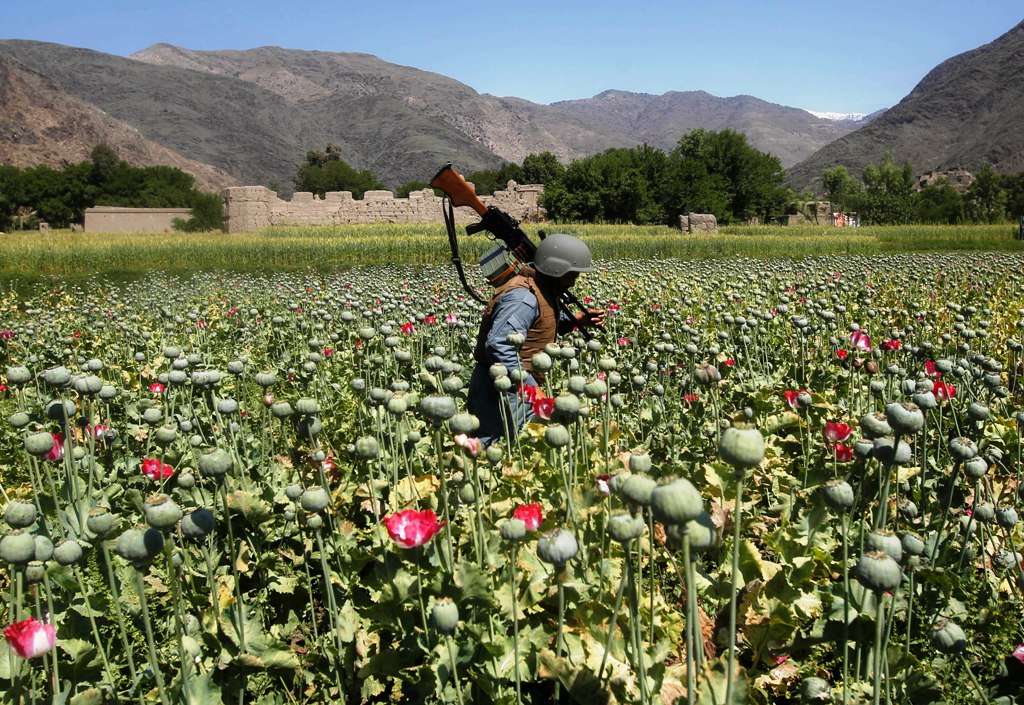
column 544, row 328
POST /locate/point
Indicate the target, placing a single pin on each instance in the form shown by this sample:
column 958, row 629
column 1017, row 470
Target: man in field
column 522, row 317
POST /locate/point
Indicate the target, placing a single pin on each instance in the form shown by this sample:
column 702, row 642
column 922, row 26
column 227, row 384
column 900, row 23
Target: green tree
column 1013, row 186
column 888, row 193
column 206, row 214
column 326, row 171
column 986, row 198
column 841, row 189
column 543, row 168
column 939, row 203
column 487, row 181
column 405, row 189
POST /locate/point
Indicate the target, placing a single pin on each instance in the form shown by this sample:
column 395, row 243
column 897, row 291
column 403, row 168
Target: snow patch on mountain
column 839, row 117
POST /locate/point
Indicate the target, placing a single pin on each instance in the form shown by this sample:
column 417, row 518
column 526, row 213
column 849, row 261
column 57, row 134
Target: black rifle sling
column 449, row 222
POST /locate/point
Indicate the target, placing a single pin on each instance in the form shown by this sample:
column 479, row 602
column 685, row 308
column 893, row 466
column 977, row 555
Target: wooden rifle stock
column 459, row 191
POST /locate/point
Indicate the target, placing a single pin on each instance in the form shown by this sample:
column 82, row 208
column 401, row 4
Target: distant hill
column 42, row 124
column 255, row 113
column 791, row 134
column 966, row 111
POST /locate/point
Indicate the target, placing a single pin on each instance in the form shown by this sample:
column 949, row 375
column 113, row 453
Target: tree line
column 59, row 197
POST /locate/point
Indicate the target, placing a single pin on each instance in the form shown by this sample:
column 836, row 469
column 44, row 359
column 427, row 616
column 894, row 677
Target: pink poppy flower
column 30, row 638
column 1018, row 653
column 837, row 432
column 57, row 452
column 623, row 342
column 451, row 318
column 411, row 528
column 529, row 514
column 602, row 483
column 469, row 444
column 860, row 340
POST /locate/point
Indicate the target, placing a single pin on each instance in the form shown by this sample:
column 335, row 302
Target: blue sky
column 852, row 56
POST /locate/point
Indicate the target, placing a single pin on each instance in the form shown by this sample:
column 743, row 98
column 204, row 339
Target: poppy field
column 764, row 481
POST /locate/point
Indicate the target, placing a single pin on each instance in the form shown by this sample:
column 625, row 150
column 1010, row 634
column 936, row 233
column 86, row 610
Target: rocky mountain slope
column 42, row 124
column 967, row 110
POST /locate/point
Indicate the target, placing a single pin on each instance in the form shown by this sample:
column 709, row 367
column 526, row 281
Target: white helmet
column 559, row 253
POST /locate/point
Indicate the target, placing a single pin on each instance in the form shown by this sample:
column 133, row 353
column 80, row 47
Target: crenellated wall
column 252, row 208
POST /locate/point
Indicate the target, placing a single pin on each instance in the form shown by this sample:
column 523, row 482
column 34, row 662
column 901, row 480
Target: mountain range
column 249, row 117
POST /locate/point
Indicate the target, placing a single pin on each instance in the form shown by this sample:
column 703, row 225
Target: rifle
column 502, row 226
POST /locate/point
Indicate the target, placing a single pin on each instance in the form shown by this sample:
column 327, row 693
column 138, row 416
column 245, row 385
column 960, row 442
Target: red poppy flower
column 791, row 398
column 155, row 470
column 412, row 528
column 842, row 354
column 730, row 363
column 408, row 328
column 529, row 514
column 843, row 453
column 837, row 432
column 623, row 342
column 429, row 320
column 156, row 388
column 528, row 392
column 543, row 406
column 929, row 369
column 943, row 390
column 892, row 345
column 690, row 398
column 30, row 638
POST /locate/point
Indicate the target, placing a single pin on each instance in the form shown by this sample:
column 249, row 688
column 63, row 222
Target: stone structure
column 959, row 178
column 252, row 208
column 698, row 223
column 115, row 219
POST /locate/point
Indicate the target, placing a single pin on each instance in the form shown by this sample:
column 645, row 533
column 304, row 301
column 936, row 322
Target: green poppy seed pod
column 309, row 427
column 541, row 362
column 215, row 463
column 886, row 451
column 625, row 527
column 577, row 384
column 227, row 406
column 905, row 418
column 315, row 499
column 88, row 385
column 450, row 385
column 639, row 462
column 139, row 546
column 265, row 379
column 495, row 453
column 839, row 495
column 108, row 392
column 463, row 423
column 908, row 510
column 912, row 544
column 34, row 572
column 445, row 616
column 18, row 376
column 307, row 407
column 976, row 467
column 39, row 444
column 17, row 547
column 186, row 481
column 293, row 491
column 366, row 332
column 398, row 405
column 949, row 638
column 925, row 400
column 1006, row 517
column 557, row 547
column 875, row 425
column 978, row 412
column 20, row 515
column 367, row 448
column 702, row 532
column 815, row 690
column 878, row 571
column 741, row 446
column 885, row 541
column 57, row 377
column 962, row 449
column 984, row 512
column 413, row 437
column 467, row 493
column 635, row 489
column 438, row 408
column 153, row 415
column 236, row 367
column 676, row 502
column 567, row 409
column 314, row 522
column 557, row 436
column 607, row 364
column 43, row 548
column 503, row 384
column 1005, row 560
column 198, row 523
column 177, row 377
column 67, row 552
column 166, row 434
column 497, row 370
column 358, row 384
column 513, row 530
column 19, row 420
column 61, row 410
column 172, row 351
column 595, row 389
column 161, row 511
column 100, row 521
column 281, row 409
